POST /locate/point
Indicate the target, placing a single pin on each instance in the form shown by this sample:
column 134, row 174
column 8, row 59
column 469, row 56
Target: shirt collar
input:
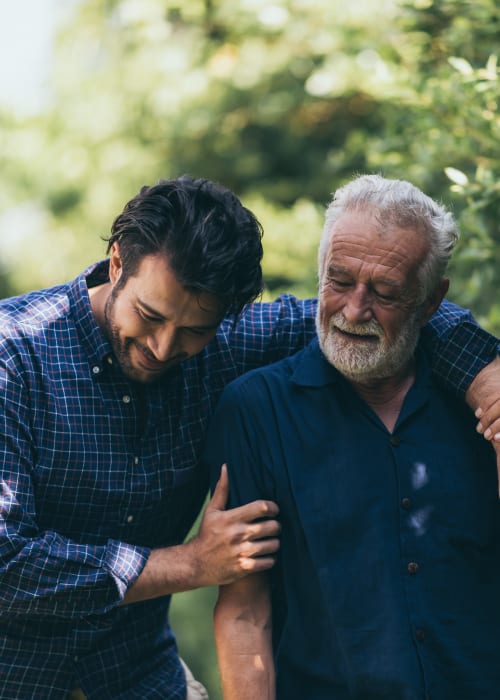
column 92, row 339
column 313, row 369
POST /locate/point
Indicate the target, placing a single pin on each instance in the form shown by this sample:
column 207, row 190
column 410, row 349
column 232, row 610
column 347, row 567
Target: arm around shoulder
column 460, row 348
column 483, row 395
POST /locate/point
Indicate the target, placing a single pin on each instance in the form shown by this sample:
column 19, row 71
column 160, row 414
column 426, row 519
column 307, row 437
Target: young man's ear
column 115, row 264
column 432, row 304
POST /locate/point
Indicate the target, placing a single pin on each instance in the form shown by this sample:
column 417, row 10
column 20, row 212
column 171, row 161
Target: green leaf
column 461, row 65
column 456, row 176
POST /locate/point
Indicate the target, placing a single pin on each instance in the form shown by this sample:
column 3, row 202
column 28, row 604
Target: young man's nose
column 162, row 344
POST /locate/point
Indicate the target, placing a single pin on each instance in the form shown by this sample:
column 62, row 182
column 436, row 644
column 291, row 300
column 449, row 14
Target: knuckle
column 247, row 564
column 265, row 508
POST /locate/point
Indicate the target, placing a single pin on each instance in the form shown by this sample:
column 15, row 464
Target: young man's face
column 153, row 322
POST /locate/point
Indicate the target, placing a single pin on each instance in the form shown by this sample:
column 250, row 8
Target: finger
column 254, row 511
column 261, row 548
column 489, row 419
column 252, row 565
column 262, row 529
column 492, row 432
column 221, row 492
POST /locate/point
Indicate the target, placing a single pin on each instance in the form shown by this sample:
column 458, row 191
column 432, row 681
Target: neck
column 98, row 296
column 386, row 396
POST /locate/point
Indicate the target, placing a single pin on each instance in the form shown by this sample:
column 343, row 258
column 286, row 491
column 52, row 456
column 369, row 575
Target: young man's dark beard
column 121, row 349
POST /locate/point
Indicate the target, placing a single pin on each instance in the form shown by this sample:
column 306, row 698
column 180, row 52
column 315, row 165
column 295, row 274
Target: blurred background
column 280, row 100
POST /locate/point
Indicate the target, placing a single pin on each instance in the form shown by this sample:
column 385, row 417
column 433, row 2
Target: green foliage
column 291, row 242
column 191, row 618
column 449, row 146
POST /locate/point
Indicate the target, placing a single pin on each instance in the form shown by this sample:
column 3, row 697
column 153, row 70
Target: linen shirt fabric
column 96, row 470
column 387, row 580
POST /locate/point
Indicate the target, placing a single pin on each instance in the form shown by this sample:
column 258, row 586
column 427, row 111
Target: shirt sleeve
column 41, row 572
column 238, row 438
column 266, row 332
column 460, row 348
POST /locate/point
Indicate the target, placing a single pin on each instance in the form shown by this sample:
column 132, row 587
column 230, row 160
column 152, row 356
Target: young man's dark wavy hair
column 213, row 243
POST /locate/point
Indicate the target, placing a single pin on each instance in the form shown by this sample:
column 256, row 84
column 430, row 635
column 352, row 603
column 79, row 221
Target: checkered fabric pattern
column 95, row 471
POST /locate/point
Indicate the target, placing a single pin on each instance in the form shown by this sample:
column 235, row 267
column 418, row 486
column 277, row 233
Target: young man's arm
column 243, row 636
column 465, row 360
column 483, row 395
column 230, row 544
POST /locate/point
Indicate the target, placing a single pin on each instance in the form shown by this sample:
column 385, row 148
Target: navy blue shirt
column 387, row 585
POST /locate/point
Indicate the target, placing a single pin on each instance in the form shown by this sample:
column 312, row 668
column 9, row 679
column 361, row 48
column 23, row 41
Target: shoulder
column 284, row 312
column 264, row 381
column 28, row 321
column 34, row 310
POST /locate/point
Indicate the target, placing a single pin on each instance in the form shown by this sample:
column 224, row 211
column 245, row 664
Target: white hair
column 401, row 204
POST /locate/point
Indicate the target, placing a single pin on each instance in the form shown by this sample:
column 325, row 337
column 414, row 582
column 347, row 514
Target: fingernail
column 478, row 413
column 479, row 427
column 487, row 433
column 497, row 437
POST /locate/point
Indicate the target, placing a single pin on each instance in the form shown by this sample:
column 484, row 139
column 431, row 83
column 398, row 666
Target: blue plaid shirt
column 95, row 471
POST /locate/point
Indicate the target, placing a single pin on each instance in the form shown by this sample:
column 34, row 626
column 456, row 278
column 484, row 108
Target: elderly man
column 387, row 583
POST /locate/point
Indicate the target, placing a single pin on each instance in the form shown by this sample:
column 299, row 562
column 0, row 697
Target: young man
column 106, row 386
column 387, row 581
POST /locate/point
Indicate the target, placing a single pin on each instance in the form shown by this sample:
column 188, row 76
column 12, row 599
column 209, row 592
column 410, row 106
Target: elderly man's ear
column 432, row 304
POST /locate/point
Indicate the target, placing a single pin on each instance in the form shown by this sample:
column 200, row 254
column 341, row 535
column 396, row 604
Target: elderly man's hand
column 484, row 397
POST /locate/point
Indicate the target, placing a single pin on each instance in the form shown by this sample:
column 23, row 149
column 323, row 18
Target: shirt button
column 126, row 398
column 130, row 518
column 395, row 441
column 420, row 635
column 75, row 658
column 136, row 460
column 96, row 369
column 406, row 503
column 412, row 567
column 109, row 360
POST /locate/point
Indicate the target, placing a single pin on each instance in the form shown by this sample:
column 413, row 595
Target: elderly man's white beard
column 372, row 358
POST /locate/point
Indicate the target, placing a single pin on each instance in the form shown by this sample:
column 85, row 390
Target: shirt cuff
column 125, row 562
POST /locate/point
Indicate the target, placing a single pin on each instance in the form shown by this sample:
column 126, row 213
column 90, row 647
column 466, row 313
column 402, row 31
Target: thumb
column 221, row 492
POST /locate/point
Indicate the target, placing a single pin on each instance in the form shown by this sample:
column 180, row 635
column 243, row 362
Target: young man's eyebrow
column 150, row 309
column 154, row 312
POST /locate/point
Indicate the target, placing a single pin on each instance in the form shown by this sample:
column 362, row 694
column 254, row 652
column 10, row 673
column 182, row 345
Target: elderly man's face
column 369, row 317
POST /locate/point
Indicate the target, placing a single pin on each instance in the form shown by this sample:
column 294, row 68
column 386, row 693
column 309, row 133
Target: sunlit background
column 26, row 38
